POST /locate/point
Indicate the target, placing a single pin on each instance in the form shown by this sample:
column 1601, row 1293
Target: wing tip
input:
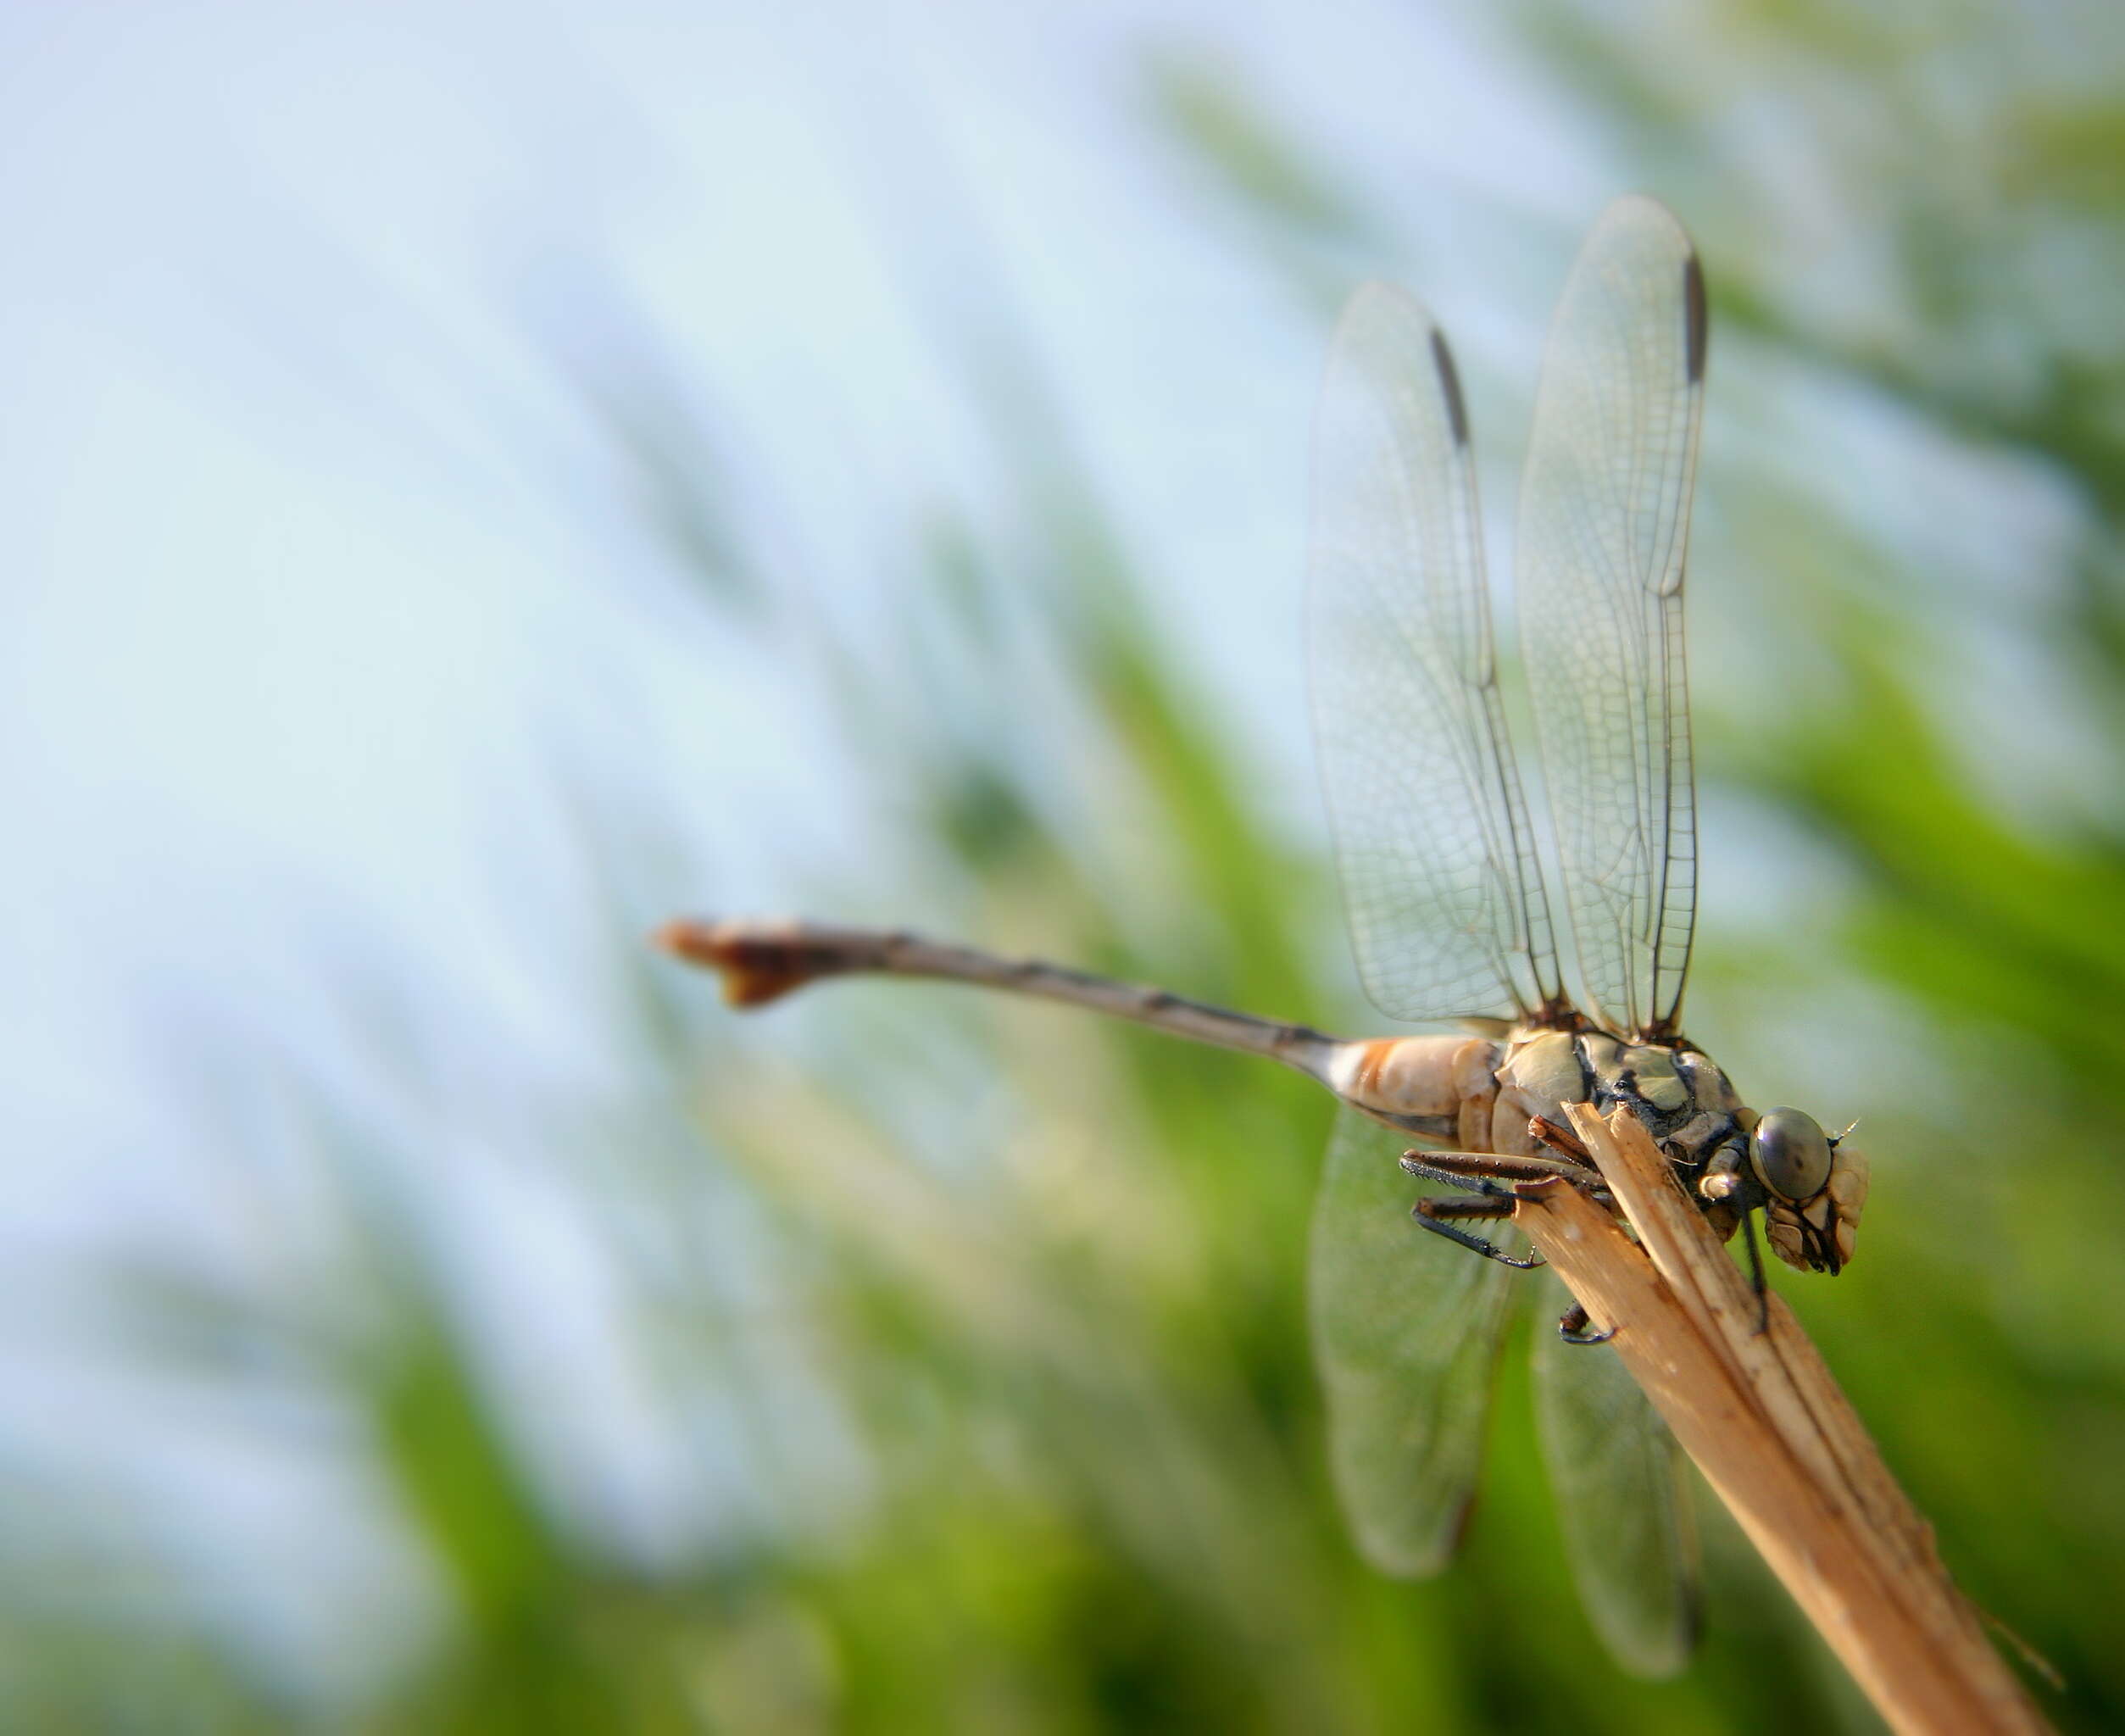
column 1696, row 316
column 1378, row 300
column 1389, row 1552
column 1642, row 219
column 1450, row 383
column 1658, row 1652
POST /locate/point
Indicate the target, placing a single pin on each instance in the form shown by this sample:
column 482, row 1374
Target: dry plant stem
column 1776, row 1440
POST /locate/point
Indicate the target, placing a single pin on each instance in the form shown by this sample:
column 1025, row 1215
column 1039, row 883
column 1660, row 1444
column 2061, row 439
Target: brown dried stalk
column 1758, row 1412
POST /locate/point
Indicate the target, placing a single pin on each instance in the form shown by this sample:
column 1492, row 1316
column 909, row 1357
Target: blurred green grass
column 1019, row 1358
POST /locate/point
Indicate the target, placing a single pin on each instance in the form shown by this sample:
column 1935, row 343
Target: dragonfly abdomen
column 1440, row 1089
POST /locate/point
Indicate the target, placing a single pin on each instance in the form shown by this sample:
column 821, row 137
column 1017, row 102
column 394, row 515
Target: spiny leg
column 1556, row 1137
column 1490, row 1173
column 1436, row 1216
column 1460, row 1169
column 1464, row 1172
column 1572, row 1324
column 1755, row 1271
column 1481, row 1173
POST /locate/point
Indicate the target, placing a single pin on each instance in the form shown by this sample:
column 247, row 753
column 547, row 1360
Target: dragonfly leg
column 1469, row 1171
column 1468, row 1208
column 1461, row 1169
column 1755, row 1272
column 1571, row 1327
column 1494, row 1176
column 1559, row 1138
column 1434, row 1214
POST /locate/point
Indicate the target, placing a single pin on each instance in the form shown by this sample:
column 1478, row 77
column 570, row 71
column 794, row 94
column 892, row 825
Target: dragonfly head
column 1814, row 1188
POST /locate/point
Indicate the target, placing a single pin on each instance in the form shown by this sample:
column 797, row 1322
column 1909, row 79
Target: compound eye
column 1790, row 1154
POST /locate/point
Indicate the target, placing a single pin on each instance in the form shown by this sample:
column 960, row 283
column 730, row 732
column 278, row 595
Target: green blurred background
column 432, row 1311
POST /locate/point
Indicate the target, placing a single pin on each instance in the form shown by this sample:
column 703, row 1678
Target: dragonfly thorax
column 1510, row 1097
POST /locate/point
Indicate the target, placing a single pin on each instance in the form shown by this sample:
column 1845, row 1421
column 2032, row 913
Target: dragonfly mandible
column 1452, row 922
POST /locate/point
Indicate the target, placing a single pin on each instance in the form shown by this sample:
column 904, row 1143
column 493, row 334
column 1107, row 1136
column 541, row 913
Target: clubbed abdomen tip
column 756, row 966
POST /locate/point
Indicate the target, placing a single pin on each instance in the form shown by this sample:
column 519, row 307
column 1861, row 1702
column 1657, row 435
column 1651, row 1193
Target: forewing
column 1622, row 1499
column 1439, row 877
column 1603, row 529
column 1407, row 1329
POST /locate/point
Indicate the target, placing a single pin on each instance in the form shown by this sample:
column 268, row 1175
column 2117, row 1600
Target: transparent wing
column 1621, row 1499
column 1439, row 876
column 1604, row 523
column 1407, row 1329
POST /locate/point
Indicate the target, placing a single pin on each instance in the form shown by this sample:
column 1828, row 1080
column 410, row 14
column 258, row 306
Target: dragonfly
column 1452, row 921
